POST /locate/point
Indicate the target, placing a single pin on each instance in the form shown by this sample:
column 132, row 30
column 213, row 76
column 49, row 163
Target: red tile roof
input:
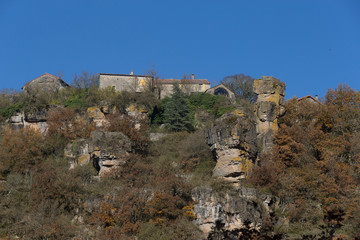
column 310, row 97
column 183, row 81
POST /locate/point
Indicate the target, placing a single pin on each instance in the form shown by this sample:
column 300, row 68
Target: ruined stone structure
column 270, row 105
column 46, row 83
column 188, row 86
column 221, row 90
column 125, row 82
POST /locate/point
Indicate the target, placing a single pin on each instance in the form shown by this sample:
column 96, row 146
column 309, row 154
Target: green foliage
column 8, row 111
column 76, row 99
column 177, row 114
column 215, row 105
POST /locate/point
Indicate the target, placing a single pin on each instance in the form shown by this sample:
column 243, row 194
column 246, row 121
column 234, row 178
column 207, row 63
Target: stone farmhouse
column 125, row 82
column 133, row 83
column 46, row 83
column 188, row 86
column 139, row 83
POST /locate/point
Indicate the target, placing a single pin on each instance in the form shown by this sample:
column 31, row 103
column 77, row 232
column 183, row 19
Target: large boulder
column 97, row 116
column 78, row 152
column 232, row 138
column 108, row 150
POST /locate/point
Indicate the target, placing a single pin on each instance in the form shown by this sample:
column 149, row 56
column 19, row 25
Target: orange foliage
column 136, row 130
column 315, row 159
column 20, row 150
column 66, row 122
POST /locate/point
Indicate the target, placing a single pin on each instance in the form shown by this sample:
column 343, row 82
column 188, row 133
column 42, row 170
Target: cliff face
column 232, row 138
column 228, row 216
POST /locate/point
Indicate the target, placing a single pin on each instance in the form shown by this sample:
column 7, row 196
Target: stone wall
column 270, row 105
column 165, row 86
column 123, row 82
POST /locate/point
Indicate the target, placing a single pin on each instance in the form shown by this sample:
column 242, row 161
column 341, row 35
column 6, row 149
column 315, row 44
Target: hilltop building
column 309, row 99
column 139, row 83
column 125, row 82
column 221, row 90
column 46, row 83
column 188, row 86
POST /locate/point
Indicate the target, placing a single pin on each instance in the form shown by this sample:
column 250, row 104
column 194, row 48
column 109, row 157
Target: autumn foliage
column 314, row 165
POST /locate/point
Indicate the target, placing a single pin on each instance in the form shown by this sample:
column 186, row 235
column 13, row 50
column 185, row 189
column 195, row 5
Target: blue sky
column 312, row 45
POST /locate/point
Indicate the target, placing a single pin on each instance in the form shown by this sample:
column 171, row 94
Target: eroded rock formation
column 232, row 138
column 270, row 105
column 230, row 212
column 108, row 150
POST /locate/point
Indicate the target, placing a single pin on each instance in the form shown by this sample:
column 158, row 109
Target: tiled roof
column 306, row 97
column 183, row 81
column 126, row 75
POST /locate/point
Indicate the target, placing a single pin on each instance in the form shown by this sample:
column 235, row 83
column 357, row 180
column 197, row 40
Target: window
column 201, row 88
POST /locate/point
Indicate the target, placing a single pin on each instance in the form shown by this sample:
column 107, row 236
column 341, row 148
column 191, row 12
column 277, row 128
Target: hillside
column 90, row 163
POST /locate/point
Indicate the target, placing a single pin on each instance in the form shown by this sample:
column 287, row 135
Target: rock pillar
column 270, row 105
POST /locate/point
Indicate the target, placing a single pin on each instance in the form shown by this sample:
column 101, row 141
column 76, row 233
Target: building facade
column 125, row 82
column 188, row 86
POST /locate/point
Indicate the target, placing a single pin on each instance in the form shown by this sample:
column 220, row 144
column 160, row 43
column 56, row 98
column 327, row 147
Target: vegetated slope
column 313, row 168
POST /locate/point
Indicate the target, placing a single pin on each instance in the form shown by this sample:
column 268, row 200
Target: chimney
column 132, row 72
column 192, row 76
column 316, row 97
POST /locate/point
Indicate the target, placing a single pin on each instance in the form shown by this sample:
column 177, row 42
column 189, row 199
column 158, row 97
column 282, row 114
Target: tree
column 241, row 85
column 177, row 114
column 85, row 80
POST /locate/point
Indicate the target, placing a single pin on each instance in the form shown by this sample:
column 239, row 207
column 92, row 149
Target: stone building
column 46, row 83
column 221, row 90
column 309, row 99
column 189, row 86
column 125, row 82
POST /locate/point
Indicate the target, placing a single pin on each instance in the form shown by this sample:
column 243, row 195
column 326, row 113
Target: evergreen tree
column 177, row 114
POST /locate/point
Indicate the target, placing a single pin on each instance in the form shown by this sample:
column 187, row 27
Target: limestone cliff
column 270, row 105
column 232, row 138
column 225, row 216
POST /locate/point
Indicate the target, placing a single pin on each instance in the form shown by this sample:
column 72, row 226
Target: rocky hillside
column 96, row 164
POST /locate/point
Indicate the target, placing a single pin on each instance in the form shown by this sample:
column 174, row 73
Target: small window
column 200, row 87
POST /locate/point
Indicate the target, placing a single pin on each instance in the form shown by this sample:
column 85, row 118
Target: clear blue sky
column 312, row 45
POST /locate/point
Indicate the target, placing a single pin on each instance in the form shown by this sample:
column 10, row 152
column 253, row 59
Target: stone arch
column 221, row 91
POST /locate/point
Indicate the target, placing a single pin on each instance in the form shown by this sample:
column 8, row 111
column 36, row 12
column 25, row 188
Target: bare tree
column 85, row 80
column 241, row 85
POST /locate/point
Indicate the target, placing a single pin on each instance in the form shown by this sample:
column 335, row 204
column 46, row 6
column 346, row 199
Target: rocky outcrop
column 97, row 116
column 77, row 152
column 232, row 138
column 241, row 208
column 108, row 150
column 33, row 119
column 270, row 105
